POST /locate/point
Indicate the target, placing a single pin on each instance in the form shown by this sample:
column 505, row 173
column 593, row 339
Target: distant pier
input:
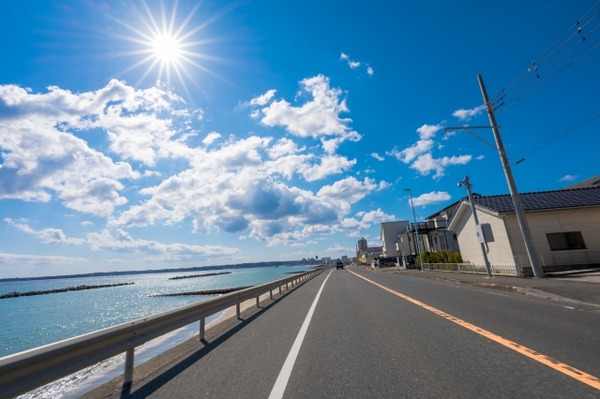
column 15, row 294
column 198, row 275
column 217, row 291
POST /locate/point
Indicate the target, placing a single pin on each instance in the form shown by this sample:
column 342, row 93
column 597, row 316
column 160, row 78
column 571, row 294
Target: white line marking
column 288, row 365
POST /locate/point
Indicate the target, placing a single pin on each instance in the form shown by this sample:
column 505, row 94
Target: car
column 339, row 265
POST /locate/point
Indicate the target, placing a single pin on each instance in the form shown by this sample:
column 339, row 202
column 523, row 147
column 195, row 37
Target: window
column 565, row 241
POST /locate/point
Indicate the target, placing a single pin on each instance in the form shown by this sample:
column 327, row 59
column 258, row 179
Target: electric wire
column 529, row 81
column 561, row 134
column 545, row 76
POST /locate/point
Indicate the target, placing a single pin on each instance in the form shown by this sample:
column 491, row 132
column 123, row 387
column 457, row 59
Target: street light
column 412, row 205
column 467, row 184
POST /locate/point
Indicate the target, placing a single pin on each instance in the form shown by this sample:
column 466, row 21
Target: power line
column 528, row 81
column 559, row 136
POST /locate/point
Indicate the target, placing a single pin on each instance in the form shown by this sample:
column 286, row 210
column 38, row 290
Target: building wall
column 508, row 247
column 389, row 234
column 586, row 221
column 498, row 244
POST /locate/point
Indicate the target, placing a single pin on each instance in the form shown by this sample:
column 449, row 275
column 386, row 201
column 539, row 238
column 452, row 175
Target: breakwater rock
column 217, row 291
column 198, row 275
column 59, row 290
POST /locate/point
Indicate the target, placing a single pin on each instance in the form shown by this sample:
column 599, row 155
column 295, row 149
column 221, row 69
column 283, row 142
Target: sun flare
column 166, row 49
column 168, row 46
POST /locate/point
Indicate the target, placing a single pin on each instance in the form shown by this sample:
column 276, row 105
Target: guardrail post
column 202, row 329
column 279, row 290
column 271, row 294
column 237, row 311
column 258, row 302
column 128, row 376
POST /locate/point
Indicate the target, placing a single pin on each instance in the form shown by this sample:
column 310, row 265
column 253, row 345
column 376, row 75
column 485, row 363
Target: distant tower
column 362, row 245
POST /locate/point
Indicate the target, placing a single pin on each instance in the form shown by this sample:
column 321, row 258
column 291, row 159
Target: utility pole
column 529, row 246
column 465, row 182
column 418, row 247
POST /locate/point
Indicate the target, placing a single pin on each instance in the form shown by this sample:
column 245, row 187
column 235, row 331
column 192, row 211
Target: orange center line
column 563, row 368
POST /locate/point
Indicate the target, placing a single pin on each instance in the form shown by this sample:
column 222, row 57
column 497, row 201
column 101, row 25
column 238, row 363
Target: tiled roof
column 543, row 200
column 591, row 182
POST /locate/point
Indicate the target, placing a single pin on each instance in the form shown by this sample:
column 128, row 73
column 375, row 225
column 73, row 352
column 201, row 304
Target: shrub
column 441, row 257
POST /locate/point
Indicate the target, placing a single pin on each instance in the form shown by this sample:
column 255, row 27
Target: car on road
column 339, row 265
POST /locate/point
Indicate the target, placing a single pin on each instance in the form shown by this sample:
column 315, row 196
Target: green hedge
column 441, row 257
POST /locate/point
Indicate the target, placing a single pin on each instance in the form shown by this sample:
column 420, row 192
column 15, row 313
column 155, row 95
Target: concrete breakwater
column 198, row 275
column 15, row 294
column 205, row 292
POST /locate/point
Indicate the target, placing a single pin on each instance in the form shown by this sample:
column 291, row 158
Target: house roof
column 543, row 200
column 532, row 202
column 591, row 182
column 450, row 210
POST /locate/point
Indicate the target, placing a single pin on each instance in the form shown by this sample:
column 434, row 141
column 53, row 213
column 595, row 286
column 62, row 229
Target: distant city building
column 366, row 254
column 362, row 244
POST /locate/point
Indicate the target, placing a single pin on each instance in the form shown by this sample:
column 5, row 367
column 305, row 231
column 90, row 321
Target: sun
column 166, row 46
column 167, row 49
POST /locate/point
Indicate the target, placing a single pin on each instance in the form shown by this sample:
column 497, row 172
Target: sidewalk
column 581, row 288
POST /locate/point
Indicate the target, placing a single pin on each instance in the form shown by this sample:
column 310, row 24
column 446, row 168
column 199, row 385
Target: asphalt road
column 406, row 338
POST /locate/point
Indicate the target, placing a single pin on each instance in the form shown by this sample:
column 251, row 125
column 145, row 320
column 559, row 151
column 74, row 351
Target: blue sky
column 155, row 135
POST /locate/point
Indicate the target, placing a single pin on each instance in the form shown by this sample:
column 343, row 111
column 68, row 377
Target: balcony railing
column 428, row 226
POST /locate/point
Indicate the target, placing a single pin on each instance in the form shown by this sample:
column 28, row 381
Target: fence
column 22, row 372
column 471, row 268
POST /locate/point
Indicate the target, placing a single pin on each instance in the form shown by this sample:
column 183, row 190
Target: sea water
column 31, row 321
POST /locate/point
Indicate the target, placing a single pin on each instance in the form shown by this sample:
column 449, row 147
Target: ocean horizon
column 167, row 270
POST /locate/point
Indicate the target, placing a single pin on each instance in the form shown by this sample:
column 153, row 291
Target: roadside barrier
column 24, row 371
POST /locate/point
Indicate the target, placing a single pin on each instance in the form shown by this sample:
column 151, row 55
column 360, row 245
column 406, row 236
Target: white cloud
column 434, row 197
column 422, row 146
column 328, row 165
column 376, row 217
column 263, row 99
column 318, row 117
column 377, row 156
column 44, row 157
column 211, row 138
column 45, row 236
column 420, row 157
column 32, row 260
column 568, row 178
column 352, row 64
column 465, row 115
column 247, row 186
column 425, row 164
column 119, row 241
column 350, row 190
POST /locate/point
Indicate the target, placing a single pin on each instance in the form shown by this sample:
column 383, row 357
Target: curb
column 533, row 292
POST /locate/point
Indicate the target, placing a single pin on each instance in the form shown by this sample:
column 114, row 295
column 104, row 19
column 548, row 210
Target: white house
column 389, row 236
column 564, row 224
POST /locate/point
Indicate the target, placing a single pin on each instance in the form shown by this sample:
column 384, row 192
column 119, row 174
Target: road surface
column 355, row 333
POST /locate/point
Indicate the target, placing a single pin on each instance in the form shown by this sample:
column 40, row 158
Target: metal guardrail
column 24, row 371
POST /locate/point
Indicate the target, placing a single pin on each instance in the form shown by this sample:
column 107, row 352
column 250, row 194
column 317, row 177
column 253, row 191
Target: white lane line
column 288, row 365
